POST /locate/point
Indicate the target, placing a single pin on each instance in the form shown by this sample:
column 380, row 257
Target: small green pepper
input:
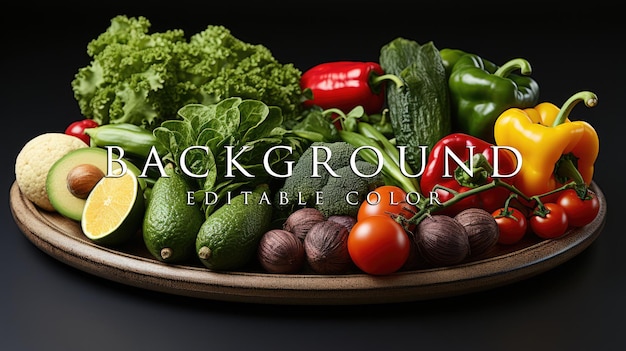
column 134, row 140
column 480, row 91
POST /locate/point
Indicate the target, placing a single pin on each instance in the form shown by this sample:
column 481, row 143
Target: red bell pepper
column 345, row 85
column 459, row 180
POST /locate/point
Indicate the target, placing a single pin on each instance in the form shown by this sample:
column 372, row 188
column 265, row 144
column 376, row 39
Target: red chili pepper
column 347, row 84
column 460, row 180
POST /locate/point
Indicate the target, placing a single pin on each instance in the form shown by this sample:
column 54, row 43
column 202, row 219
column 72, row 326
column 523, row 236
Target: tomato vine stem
column 430, row 208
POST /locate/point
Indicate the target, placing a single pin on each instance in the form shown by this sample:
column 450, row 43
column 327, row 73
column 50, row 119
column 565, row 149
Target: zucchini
column 419, row 111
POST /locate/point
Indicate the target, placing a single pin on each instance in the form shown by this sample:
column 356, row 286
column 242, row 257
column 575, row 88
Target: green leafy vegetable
column 315, row 126
column 301, row 187
column 142, row 78
column 250, row 127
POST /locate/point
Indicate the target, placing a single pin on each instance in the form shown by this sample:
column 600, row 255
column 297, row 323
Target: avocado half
column 63, row 201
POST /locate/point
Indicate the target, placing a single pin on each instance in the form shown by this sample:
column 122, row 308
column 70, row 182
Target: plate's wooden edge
column 299, row 288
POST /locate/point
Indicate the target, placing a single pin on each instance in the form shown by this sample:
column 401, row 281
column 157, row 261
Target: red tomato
column 391, row 201
column 77, row 129
column 378, row 245
column 553, row 225
column 512, row 225
column 579, row 212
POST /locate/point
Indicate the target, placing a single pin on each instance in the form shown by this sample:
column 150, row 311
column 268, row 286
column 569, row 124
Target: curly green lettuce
column 144, row 78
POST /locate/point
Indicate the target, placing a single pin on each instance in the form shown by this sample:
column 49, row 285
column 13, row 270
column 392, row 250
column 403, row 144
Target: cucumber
column 419, row 111
column 229, row 237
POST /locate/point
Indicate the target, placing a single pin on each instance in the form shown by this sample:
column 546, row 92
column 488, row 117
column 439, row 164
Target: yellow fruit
column 35, row 160
column 114, row 210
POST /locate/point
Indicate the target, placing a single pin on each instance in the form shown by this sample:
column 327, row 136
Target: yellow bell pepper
column 554, row 149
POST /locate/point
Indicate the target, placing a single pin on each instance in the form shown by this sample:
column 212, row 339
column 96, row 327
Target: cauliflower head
column 35, row 160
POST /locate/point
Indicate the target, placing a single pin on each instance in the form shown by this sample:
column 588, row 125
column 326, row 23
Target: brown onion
column 442, row 241
column 345, row 220
column 326, row 248
column 415, row 259
column 301, row 221
column 482, row 229
column 280, row 251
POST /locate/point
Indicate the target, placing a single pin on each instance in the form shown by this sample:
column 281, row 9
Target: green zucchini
column 419, row 111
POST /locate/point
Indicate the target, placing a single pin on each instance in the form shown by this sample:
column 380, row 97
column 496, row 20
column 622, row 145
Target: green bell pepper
column 480, row 91
column 449, row 57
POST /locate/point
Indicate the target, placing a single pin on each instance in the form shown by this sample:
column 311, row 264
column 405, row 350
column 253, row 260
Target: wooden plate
column 63, row 239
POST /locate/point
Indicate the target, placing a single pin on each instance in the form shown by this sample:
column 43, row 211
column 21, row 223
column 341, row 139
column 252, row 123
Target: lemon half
column 114, row 210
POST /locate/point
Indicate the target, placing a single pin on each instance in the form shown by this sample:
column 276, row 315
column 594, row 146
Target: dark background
column 579, row 305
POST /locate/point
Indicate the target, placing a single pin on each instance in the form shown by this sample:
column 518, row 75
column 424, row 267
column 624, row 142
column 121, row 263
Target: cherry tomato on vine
column 512, row 224
column 579, row 212
column 77, row 129
column 552, row 225
column 378, row 245
column 391, row 200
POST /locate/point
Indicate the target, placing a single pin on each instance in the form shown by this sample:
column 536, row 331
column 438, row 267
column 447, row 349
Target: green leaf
column 253, row 113
column 210, row 137
column 196, row 111
column 227, row 104
column 230, row 121
column 211, row 166
column 219, row 125
column 272, row 120
column 316, row 127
